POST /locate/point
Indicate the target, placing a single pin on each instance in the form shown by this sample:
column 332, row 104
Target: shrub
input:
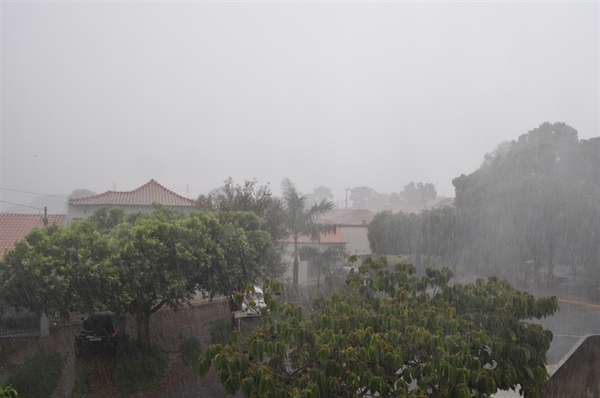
column 139, row 366
column 38, row 376
column 190, row 351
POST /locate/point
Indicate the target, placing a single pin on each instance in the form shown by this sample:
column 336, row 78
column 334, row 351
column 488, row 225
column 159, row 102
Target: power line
column 31, row 207
column 18, row 204
column 34, row 193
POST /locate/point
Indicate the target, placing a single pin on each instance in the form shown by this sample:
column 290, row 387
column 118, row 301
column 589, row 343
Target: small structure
column 576, row 374
column 140, row 199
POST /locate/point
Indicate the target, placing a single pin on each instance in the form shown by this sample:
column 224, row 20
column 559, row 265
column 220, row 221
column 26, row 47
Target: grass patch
column 139, row 366
column 38, row 376
column 190, row 351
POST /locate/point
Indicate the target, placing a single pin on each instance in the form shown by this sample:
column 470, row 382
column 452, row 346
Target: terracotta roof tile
column 14, row 227
column 150, row 192
column 333, row 237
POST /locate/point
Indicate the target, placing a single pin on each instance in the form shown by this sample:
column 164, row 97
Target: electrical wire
column 34, row 193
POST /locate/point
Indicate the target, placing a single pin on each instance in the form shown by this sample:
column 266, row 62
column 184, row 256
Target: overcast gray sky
column 96, row 95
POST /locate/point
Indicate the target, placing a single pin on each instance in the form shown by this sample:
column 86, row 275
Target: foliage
column 8, row 391
column 535, row 199
column 248, row 197
column 361, row 196
column 139, row 366
column 81, row 193
column 38, row 376
column 394, row 334
column 59, row 270
column 418, row 193
column 299, row 221
column 137, row 266
column 324, row 261
column 190, row 351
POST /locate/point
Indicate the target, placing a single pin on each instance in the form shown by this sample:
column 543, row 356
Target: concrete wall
column 358, row 243
column 578, row 373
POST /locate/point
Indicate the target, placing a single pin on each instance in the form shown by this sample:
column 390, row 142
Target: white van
column 254, row 302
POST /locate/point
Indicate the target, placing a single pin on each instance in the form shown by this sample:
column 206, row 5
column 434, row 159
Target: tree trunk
column 296, row 262
column 143, row 327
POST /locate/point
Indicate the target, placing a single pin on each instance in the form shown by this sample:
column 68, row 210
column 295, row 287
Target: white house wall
column 358, row 243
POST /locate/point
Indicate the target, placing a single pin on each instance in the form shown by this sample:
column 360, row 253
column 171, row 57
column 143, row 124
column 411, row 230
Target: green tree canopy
column 137, row 266
column 394, row 334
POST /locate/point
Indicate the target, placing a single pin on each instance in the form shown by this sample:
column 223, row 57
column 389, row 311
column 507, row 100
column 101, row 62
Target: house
column 308, row 273
column 353, row 225
column 14, row 227
column 140, row 199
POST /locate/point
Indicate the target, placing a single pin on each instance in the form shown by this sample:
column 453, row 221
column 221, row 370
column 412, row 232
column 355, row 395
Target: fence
column 18, row 326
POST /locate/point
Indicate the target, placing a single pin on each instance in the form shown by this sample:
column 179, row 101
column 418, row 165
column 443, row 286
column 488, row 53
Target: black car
column 99, row 332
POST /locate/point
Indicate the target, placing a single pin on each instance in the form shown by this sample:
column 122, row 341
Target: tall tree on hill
column 300, row 221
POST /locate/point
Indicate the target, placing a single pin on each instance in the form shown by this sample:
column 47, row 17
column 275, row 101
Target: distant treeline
column 534, row 203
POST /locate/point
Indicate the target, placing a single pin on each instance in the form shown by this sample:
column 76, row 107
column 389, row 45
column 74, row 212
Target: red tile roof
column 150, row 192
column 14, row 227
column 348, row 217
column 333, row 237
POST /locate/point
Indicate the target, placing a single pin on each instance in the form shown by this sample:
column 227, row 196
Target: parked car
column 254, row 302
column 98, row 332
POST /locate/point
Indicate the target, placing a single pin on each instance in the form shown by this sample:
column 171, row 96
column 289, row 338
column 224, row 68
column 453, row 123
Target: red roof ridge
column 151, row 190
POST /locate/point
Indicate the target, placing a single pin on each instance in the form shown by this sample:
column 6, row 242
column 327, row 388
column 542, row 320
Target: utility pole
column 45, row 216
column 347, row 189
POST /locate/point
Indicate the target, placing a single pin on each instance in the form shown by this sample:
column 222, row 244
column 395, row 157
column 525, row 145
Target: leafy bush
column 190, row 351
column 38, row 376
column 139, row 366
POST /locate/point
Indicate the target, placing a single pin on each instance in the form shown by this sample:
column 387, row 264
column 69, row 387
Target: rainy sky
column 98, row 95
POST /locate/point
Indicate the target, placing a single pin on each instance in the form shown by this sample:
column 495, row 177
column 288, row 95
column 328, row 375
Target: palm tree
column 324, row 261
column 300, row 221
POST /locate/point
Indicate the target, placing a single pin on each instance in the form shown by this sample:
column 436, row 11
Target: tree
column 247, row 197
column 250, row 197
column 136, row 267
column 361, row 196
column 81, row 193
column 319, row 194
column 324, row 260
column 300, row 221
column 418, row 193
column 394, row 334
